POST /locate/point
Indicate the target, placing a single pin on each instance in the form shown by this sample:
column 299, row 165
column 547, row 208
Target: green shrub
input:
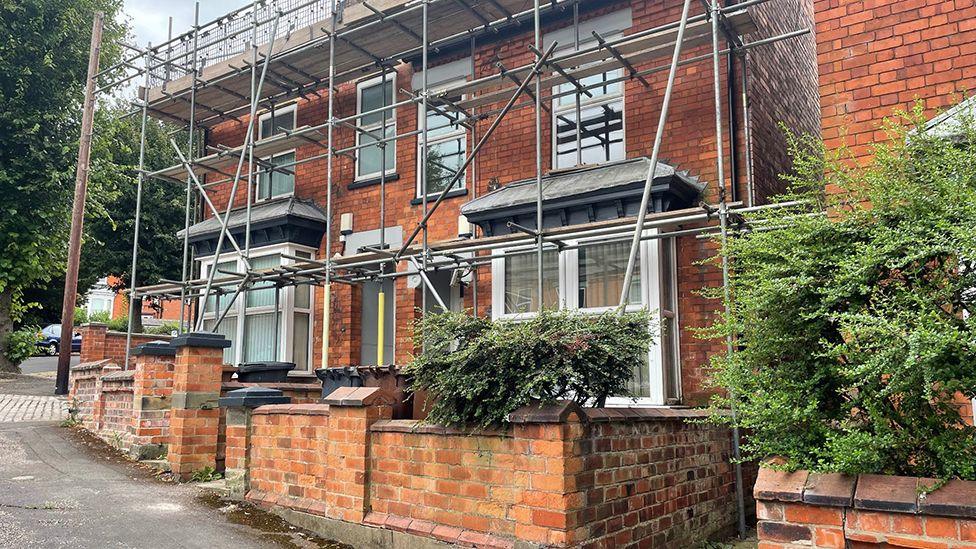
column 165, row 328
column 21, row 344
column 81, row 316
column 855, row 330
column 477, row 371
column 120, row 324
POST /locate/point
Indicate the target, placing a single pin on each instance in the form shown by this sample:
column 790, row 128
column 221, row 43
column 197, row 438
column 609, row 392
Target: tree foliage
column 44, row 49
column 854, row 328
column 477, row 371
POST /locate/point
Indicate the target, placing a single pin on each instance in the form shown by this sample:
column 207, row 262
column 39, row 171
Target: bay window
column 274, row 183
column 588, row 276
column 264, row 323
column 371, row 95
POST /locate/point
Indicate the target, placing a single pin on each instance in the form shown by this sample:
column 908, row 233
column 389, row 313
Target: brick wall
column 84, row 391
column 558, row 476
column 782, row 90
column 836, row 511
column 100, row 343
column 875, row 57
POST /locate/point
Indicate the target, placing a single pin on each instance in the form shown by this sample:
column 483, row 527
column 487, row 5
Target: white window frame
column 286, row 304
column 588, row 103
column 461, row 131
column 293, row 109
column 651, row 299
column 390, row 122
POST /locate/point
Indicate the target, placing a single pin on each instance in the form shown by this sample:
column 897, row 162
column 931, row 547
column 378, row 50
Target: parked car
column 50, row 342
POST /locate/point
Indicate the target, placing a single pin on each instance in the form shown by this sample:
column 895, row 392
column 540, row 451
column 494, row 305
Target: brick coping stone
column 415, row 426
column 95, row 365
column 886, row 493
column 292, row 409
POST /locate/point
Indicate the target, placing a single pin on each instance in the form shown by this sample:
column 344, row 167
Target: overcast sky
column 150, row 18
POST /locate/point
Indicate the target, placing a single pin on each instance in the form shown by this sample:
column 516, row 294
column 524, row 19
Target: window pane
column 640, row 382
column 228, row 329
column 302, row 291
column 601, row 275
column 521, row 281
column 259, row 337
column 277, row 183
column 371, row 99
column 444, row 159
column 601, row 134
column 369, row 157
column 277, row 124
column 226, row 292
column 299, row 348
column 438, row 124
column 262, row 294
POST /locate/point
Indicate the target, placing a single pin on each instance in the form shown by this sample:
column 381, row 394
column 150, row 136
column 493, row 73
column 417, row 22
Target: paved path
column 16, row 408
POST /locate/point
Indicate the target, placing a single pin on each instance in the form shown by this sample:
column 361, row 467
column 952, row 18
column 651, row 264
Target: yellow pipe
column 380, row 326
column 326, row 308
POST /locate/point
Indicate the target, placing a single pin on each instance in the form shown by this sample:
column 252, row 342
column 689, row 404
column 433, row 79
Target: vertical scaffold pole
column 187, row 268
column 138, row 215
column 327, row 292
column 381, row 295
column 655, row 153
column 723, row 212
column 424, row 150
column 538, row 155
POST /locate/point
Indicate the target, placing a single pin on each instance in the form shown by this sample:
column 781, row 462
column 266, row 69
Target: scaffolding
column 274, row 51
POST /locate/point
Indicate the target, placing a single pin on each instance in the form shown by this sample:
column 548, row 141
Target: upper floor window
column 372, row 157
column 446, row 151
column 588, row 127
column 280, row 182
column 589, row 130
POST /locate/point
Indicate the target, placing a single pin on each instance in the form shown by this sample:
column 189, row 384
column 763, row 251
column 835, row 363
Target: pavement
column 61, row 487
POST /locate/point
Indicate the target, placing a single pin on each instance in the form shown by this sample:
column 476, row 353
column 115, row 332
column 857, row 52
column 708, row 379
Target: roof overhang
column 584, row 195
column 286, row 220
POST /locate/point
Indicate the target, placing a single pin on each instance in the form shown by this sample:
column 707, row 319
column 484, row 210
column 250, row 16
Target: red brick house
column 594, row 176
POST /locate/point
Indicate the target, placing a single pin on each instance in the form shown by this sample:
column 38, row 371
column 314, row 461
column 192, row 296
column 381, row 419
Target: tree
column 44, row 49
column 108, row 247
column 853, row 313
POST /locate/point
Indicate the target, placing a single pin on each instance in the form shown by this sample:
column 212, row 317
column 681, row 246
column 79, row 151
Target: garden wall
column 558, row 476
column 100, row 343
column 836, row 511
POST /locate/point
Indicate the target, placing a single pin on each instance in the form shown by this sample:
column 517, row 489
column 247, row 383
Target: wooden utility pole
column 78, row 211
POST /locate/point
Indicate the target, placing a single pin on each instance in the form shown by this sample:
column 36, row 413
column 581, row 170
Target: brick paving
column 19, row 408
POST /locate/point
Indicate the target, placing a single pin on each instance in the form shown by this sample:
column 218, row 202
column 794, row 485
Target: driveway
column 62, row 487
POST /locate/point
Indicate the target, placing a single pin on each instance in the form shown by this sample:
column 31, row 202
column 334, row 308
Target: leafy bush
column 120, row 324
column 165, row 328
column 855, row 334
column 81, row 316
column 21, row 344
column 477, row 371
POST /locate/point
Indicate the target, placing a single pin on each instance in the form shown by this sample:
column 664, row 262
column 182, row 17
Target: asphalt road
column 41, row 364
column 63, row 488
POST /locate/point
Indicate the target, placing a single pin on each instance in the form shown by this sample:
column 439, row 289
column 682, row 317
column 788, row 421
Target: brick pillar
column 549, row 446
column 352, row 410
column 195, row 415
column 239, row 406
column 92, row 341
column 152, row 392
